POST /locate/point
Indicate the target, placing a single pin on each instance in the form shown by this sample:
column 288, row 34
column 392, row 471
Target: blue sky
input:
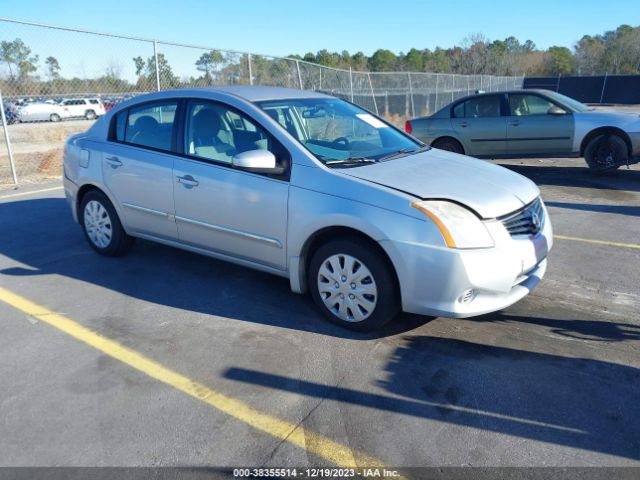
column 285, row 27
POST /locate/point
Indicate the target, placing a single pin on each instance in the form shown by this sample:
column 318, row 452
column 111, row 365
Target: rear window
column 147, row 125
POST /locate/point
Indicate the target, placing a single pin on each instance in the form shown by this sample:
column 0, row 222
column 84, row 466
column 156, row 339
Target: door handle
column 463, row 124
column 113, row 161
column 515, row 123
column 188, row 181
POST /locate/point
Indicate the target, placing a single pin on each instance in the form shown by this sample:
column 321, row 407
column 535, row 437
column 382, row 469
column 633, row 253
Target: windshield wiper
column 351, row 161
column 403, row 152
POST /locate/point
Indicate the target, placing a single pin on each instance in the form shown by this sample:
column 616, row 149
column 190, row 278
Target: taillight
column 407, row 127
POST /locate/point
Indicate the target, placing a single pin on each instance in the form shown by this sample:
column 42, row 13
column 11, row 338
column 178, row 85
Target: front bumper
column 434, row 280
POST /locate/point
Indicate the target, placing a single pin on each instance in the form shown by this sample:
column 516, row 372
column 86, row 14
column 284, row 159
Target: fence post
column 5, row 127
column 250, row 71
column 351, row 82
column 320, row 78
column 299, row 76
column 604, row 84
column 373, row 95
column 155, row 56
column 435, row 102
column 468, row 88
column 558, row 84
column 413, row 107
column 453, row 85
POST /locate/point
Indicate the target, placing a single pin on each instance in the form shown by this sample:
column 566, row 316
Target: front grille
column 525, row 222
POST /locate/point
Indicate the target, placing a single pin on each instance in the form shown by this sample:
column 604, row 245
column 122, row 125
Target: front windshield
column 337, row 132
column 575, row 105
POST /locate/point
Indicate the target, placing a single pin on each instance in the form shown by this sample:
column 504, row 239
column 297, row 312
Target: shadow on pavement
column 619, row 209
column 41, row 235
column 573, row 402
column 621, row 179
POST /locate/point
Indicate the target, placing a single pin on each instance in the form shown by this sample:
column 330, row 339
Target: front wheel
column 102, row 227
column 352, row 285
column 90, row 115
column 54, row 117
column 606, row 153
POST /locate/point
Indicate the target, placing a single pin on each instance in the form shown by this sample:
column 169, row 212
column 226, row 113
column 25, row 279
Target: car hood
column 488, row 189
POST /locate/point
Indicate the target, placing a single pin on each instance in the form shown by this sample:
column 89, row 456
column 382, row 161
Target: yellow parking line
column 13, row 195
column 599, row 242
column 284, row 430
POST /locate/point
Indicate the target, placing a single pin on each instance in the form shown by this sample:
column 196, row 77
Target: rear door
column 138, row 168
column 478, row 122
column 532, row 129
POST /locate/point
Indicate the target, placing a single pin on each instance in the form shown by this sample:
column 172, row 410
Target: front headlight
column 459, row 226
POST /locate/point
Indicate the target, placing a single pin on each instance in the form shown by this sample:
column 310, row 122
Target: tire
column 90, row 115
column 102, row 227
column 54, row 117
column 606, row 153
column 353, row 300
column 448, row 144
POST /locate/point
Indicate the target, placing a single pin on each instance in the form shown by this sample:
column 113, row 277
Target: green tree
column 208, row 62
column 414, row 60
column 559, row 61
column 53, row 67
column 18, row 58
column 382, row 61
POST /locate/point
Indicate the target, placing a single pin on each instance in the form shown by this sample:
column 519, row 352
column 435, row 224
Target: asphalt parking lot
column 224, row 366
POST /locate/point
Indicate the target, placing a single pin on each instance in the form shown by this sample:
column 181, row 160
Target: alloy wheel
column 98, row 224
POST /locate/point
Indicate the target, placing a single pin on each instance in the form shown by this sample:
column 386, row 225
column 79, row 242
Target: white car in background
column 41, row 112
column 89, row 108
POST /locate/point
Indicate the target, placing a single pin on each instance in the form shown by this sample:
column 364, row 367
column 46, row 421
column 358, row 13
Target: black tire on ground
column 448, row 144
column 606, row 152
column 54, row 117
column 387, row 302
column 119, row 242
column 90, row 115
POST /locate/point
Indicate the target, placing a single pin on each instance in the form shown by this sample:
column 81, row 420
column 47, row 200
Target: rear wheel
column 54, row 117
column 449, row 144
column 606, row 153
column 102, row 227
column 352, row 285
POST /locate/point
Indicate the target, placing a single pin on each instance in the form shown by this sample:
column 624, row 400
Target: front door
column 138, row 169
column 222, row 209
column 532, row 129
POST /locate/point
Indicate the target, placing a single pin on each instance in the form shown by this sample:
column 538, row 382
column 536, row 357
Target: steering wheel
column 341, row 141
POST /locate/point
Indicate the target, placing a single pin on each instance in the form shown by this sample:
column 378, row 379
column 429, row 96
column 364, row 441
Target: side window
column 458, row 110
column 93, row 101
column 484, row 106
column 121, row 123
column 216, row 132
column 522, row 104
column 150, row 125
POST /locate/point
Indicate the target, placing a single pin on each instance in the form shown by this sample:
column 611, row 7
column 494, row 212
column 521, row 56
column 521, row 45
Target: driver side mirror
column 257, row 161
column 555, row 110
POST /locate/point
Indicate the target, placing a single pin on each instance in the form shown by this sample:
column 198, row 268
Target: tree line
column 616, row 52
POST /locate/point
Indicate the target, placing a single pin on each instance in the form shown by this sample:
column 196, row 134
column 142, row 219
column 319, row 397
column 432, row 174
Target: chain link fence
column 42, row 66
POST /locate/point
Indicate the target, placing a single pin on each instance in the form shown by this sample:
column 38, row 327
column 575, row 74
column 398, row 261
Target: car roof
column 261, row 93
column 503, row 92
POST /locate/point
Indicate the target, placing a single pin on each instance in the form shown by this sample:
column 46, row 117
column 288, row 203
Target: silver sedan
column 532, row 122
column 306, row 186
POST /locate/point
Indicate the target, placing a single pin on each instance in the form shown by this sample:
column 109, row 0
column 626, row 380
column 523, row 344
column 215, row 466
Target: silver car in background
column 532, row 123
column 312, row 188
column 42, row 112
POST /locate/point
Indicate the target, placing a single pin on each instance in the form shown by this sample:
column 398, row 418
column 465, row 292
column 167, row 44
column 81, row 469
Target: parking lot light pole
column 299, row 76
column 5, row 127
column 250, row 72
